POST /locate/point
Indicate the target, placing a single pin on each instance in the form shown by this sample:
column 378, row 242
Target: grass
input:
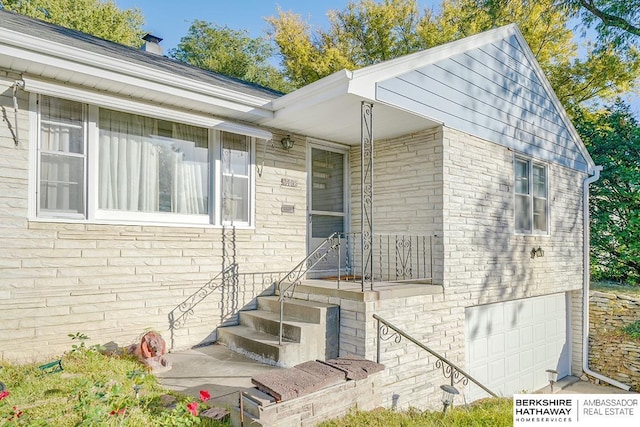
column 620, row 288
column 494, row 412
column 93, row 389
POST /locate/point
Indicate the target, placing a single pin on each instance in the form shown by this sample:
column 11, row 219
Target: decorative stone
column 215, row 413
column 355, row 368
column 151, row 351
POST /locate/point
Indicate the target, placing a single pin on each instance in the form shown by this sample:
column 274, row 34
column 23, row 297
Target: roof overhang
column 44, row 59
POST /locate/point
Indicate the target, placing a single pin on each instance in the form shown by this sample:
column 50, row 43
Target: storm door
column 327, row 203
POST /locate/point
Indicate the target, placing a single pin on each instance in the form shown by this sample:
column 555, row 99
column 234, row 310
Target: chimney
column 152, row 44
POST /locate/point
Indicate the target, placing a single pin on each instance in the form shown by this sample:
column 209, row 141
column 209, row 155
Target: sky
column 170, row 19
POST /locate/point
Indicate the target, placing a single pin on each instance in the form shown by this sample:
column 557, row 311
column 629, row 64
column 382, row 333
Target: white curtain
column 189, row 170
column 129, row 163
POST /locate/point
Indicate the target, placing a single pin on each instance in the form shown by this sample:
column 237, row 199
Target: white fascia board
column 244, row 130
column 330, row 87
column 404, row 64
column 136, row 107
column 113, row 68
column 553, row 97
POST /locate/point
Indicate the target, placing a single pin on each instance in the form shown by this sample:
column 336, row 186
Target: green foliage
column 616, row 21
column 230, row 52
column 367, row 32
column 487, row 412
column 632, row 330
column 101, row 18
column 612, row 136
column 82, row 346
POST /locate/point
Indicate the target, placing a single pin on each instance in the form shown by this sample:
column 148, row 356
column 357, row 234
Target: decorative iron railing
column 397, row 257
column 449, row 370
column 286, row 286
column 231, row 283
column 179, row 315
column 339, row 257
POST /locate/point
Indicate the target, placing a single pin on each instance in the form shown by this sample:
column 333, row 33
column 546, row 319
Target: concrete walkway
column 573, row 385
column 215, row 368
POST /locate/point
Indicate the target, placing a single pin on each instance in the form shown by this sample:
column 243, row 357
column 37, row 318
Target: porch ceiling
column 329, row 109
column 338, row 119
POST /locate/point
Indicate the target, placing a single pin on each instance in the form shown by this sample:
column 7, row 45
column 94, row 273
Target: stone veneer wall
column 331, row 402
column 462, row 190
column 410, row 378
column 611, row 354
column 113, row 281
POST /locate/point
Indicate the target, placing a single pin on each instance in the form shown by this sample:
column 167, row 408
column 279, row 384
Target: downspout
column 585, row 284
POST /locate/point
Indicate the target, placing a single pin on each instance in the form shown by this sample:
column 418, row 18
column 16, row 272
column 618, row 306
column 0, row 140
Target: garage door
column 510, row 345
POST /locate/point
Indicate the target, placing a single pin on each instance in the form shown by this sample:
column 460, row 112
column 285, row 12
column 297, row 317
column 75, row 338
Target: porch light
column 448, row 394
column 552, row 376
column 537, row 252
column 287, row 142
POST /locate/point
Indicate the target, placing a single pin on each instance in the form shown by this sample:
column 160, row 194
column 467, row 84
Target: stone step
column 269, row 323
column 253, row 400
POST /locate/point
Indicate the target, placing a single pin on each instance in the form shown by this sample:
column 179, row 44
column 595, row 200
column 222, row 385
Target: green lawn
column 494, row 412
column 605, row 286
column 93, row 389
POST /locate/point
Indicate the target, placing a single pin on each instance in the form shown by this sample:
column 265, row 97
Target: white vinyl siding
column 531, row 201
column 133, row 168
column 495, row 92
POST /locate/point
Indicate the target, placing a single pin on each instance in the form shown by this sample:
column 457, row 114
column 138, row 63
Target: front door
column 327, row 202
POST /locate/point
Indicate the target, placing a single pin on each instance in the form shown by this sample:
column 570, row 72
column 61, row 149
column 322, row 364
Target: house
column 141, row 193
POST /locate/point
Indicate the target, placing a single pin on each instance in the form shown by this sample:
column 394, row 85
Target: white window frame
column 38, row 160
column 531, row 163
column 95, row 215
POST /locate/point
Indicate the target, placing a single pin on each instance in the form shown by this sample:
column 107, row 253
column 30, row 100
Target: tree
column 617, row 21
column 368, row 32
column 230, row 52
column 612, row 135
column 365, row 33
column 101, row 18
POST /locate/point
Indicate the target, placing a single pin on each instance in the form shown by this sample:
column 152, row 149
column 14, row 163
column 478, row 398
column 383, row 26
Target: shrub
column 632, row 330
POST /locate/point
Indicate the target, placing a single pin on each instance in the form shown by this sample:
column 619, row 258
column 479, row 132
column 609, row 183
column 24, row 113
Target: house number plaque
column 287, row 209
column 288, row 182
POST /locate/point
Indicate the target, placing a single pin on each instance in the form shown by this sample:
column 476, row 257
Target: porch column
column 366, row 185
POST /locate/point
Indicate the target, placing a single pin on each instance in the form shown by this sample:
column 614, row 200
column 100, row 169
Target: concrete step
column 254, row 344
column 308, row 311
column 269, row 323
column 310, row 331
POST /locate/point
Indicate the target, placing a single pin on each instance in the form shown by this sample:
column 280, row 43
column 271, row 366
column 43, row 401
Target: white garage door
column 510, row 345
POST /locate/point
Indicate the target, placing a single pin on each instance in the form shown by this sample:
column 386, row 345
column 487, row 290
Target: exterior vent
column 152, row 44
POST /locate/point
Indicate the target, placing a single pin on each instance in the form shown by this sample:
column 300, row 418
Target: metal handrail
column 186, row 307
column 451, row 370
column 299, row 271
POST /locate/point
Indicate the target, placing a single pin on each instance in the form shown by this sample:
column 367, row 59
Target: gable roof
column 488, row 85
column 49, row 52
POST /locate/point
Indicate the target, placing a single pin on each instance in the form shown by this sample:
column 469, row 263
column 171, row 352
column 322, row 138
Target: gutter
column 585, row 284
